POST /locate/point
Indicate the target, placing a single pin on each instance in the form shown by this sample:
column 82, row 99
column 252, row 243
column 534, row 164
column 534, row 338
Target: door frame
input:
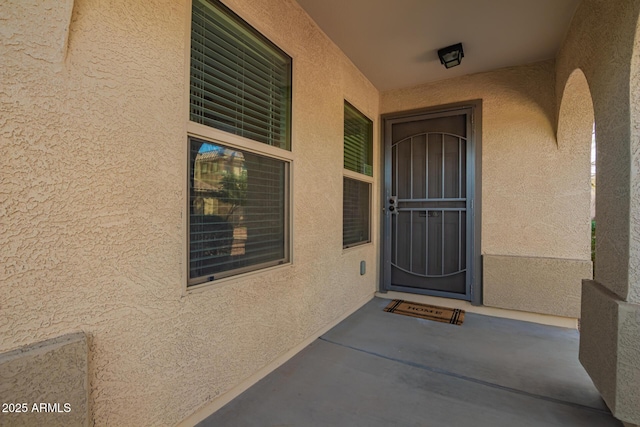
column 474, row 162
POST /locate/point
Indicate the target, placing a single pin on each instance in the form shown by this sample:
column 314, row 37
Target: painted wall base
column 533, row 284
column 610, row 349
column 48, row 381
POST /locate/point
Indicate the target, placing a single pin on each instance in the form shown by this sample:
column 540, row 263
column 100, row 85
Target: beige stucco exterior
column 93, row 142
column 533, row 190
column 534, row 284
column 525, row 207
column 611, row 324
column 93, row 131
column 47, row 383
column 600, row 43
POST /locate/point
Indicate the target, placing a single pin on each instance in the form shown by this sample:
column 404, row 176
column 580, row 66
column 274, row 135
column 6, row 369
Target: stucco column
column 610, row 308
column 610, row 349
column 610, row 334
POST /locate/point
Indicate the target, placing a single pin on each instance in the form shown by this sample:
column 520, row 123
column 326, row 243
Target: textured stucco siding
column 92, row 203
column 634, row 151
column 538, row 285
column 601, row 42
column 609, row 348
column 49, row 381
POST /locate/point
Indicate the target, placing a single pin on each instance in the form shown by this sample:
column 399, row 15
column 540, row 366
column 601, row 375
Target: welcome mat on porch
column 454, row 316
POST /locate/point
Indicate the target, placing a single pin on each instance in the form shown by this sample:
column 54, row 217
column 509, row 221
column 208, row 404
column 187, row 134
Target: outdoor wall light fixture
column 451, row 56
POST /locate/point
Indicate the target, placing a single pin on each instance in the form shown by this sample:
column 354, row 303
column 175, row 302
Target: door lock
column 392, row 204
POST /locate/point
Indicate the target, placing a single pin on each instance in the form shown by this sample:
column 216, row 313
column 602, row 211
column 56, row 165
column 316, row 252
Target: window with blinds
column 238, row 211
column 358, row 141
column 355, row 212
column 356, row 194
column 240, row 81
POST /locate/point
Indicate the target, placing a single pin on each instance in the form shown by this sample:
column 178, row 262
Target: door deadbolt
column 393, row 200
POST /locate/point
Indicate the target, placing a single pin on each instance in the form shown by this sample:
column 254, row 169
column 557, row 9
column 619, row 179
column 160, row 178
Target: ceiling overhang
column 395, row 42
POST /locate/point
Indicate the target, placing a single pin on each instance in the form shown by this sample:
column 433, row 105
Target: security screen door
column 428, row 201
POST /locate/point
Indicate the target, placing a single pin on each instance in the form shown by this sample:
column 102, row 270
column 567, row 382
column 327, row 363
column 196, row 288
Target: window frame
column 233, row 141
column 357, row 176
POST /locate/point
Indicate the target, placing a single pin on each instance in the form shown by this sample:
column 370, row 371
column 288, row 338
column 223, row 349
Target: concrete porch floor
column 382, row 369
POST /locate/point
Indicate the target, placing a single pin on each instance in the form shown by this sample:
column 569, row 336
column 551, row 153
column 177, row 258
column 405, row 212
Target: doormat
column 454, row 316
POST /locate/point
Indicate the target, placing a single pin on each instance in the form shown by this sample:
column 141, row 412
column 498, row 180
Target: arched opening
column 577, row 135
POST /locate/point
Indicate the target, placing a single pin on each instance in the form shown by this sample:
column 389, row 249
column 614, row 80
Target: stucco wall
column 535, row 192
column 600, row 42
column 609, row 348
column 538, row 285
column 92, row 203
column 48, row 381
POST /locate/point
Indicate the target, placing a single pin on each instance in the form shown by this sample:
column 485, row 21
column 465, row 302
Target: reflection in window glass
column 237, row 211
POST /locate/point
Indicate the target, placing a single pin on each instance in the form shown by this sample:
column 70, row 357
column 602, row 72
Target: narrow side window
column 356, row 194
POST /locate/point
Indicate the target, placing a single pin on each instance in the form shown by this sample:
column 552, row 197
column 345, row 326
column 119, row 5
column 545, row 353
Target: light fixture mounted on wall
column 451, row 56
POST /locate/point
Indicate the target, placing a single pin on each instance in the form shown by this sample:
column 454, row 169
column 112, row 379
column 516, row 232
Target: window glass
column 358, row 141
column 355, row 212
column 237, row 217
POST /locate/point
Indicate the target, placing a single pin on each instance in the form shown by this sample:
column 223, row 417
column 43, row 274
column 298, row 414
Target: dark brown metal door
column 428, row 225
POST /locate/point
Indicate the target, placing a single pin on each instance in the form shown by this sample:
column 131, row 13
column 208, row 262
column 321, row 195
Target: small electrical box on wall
column 363, row 267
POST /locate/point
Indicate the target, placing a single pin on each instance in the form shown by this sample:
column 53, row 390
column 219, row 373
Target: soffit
column 395, row 42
